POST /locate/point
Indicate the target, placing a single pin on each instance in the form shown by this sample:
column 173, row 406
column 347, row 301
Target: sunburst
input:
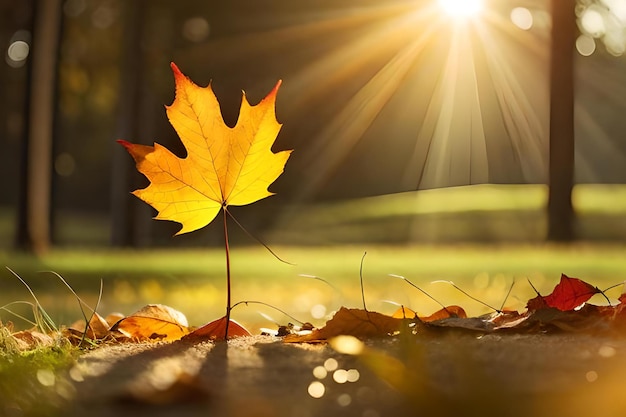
column 397, row 95
column 462, row 85
column 461, row 9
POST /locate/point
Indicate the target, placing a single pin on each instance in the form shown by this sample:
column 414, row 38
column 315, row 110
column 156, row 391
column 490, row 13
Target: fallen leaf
column 568, row 294
column 113, row 318
column 224, row 166
column 467, row 323
column 536, row 303
column 216, row 330
column 353, row 322
column 98, row 328
column 506, row 318
column 31, row 339
column 404, row 313
column 619, row 311
column 444, row 313
column 154, row 322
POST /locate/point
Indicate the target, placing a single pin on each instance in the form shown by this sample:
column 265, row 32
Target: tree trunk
column 35, row 211
column 560, row 210
column 122, row 225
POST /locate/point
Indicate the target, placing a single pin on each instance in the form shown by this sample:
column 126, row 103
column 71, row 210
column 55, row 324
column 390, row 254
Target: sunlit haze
column 430, row 93
column 461, row 8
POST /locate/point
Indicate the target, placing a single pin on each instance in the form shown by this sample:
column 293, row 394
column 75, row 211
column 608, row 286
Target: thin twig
column 320, row 279
column 533, row 287
column 361, row 276
column 246, row 302
column 468, row 295
column 419, row 289
column 614, row 286
column 256, row 238
column 507, row 295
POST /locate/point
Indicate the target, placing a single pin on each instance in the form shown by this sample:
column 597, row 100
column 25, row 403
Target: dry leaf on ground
column 153, row 322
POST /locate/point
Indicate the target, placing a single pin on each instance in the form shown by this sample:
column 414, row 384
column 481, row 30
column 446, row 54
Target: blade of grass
column 43, row 320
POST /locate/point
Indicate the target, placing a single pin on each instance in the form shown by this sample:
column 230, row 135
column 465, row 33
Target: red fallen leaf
column 352, row 322
column 568, row 294
column 216, row 330
column 537, row 303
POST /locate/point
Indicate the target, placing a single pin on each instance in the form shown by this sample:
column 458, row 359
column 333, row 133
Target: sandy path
column 449, row 374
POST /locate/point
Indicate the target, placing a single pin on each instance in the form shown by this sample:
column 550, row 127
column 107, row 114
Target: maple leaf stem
column 227, row 249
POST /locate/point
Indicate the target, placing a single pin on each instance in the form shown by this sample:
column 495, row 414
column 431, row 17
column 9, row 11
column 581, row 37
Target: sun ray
column 453, row 101
column 526, row 132
column 363, row 108
column 602, row 145
column 461, row 9
column 453, row 128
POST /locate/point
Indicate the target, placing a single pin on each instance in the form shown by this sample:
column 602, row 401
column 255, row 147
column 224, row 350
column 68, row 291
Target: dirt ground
column 453, row 373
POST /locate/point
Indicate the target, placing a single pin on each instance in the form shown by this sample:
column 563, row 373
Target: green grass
column 30, row 382
column 479, row 213
column 193, row 281
column 424, row 236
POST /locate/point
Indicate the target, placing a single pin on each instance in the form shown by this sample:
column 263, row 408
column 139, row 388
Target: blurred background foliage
column 356, row 106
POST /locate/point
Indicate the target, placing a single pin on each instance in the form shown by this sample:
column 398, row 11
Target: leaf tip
column 124, row 143
column 274, row 91
column 175, row 69
column 179, row 77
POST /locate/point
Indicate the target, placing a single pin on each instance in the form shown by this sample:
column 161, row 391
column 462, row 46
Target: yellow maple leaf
column 224, row 166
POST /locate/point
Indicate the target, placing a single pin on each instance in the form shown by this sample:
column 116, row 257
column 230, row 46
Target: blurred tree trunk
column 561, row 170
column 122, row 229
column 35, row 209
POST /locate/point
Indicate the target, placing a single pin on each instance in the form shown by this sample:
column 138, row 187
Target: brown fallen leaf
column 31, row 339
column 353, row 322
column 404, row 313
column 468, row 323
column 216, row 330
column 507, row 319
column 444, row 313
column 113, row 318
column 154, row 322
column 97, row 329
